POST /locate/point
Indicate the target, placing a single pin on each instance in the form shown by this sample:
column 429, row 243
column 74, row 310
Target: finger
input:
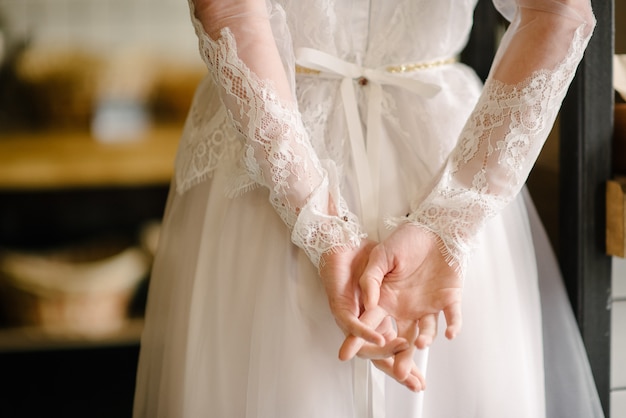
column 404, row 361
column 371, row 351
column 372, row 277
column 392, row 345
column 363, row 327
column 454, row 320
column 370, row 289
column 363, row 332
column 415, row 380
column 386, row 365
column 350, row 347
column 427, row 331
column 370, row 320
column 387, row 329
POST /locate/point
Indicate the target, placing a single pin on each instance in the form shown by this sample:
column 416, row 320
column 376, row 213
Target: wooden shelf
column 35, row 338
column 60, row 161
column 616, row 217
column 75, row 159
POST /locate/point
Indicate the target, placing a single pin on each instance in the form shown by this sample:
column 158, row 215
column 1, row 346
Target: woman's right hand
column 408, row 277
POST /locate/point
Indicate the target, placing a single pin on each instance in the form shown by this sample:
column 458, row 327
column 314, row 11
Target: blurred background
column 77, row 63
column 93, row 95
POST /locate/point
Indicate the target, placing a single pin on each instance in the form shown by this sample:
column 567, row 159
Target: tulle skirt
column 238, row 325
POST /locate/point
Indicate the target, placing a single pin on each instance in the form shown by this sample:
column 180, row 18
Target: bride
column 341, row 183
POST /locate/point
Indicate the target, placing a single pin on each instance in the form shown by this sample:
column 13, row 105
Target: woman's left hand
column 340, row 272
column 376, row 330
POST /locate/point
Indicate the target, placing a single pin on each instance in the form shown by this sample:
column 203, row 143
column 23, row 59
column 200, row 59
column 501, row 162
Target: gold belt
column 392, row 69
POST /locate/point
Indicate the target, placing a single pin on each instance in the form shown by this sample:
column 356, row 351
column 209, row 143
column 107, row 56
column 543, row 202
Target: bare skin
column 405, row 279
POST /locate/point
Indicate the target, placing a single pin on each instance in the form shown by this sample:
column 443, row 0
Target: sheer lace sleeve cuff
column 277, row 149
column 506, row 131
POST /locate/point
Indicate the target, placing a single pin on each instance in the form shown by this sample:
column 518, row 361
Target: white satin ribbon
column 369, row 382
column 365, row 150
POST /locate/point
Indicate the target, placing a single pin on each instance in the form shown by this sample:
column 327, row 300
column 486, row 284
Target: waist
column 391, row 69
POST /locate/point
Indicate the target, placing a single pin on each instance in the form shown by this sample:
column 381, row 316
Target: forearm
column 239, row 49
column 508, row 127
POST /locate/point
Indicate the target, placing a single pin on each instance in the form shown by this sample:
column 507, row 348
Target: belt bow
column 365, row 150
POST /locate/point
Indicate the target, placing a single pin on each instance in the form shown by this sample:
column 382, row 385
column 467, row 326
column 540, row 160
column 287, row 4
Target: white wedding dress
column 390, row 128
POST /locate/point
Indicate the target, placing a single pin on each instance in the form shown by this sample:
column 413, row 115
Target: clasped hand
column 387, row 298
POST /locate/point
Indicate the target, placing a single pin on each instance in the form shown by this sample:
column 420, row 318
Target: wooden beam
column 482, row 42
column 585, row 167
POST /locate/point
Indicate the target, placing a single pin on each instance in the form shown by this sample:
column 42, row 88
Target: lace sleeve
column 237, row 46
column 514, row 115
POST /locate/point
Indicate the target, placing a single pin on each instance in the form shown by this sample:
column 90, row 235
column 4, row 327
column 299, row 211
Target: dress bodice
column 296, row 139
column 376, row 33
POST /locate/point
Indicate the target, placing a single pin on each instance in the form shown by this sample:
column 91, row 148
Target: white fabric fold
column 369, row 383
column 365, row 148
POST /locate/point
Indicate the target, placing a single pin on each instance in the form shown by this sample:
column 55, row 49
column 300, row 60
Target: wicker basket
column 71, row 291
column 63, row 85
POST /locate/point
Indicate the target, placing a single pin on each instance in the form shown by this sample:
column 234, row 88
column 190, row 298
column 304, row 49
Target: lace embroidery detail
column 209, row 141
column 315, row 114
column 278, row 154
column 321, row 29
column 496, row 151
